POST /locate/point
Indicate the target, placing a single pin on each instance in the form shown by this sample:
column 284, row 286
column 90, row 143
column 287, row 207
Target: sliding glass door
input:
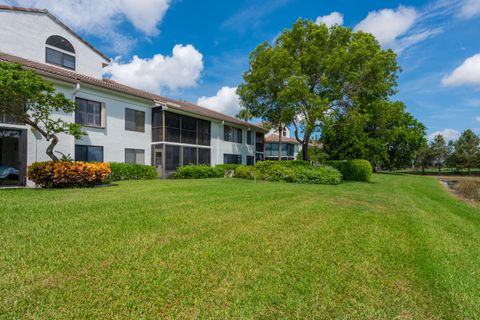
column 12, row 157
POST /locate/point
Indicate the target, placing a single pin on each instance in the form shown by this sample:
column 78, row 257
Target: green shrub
column 246, row 172
column 63, row 174
column 199, row 172
column 130, row 171
column 289, row 171
column 353, row 170
column 289, row 163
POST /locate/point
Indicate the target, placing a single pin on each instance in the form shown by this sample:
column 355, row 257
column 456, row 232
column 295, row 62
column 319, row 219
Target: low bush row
column 130, row 171
column 64, row 174
column 294, row 172
column 199, row 172
column 286, row 171
column 353, row 170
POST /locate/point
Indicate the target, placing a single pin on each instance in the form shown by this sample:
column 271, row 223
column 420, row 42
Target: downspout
column 220, row 132
column 77, row 88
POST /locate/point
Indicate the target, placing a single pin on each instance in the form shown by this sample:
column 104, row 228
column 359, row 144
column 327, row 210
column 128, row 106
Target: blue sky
column 197, row 50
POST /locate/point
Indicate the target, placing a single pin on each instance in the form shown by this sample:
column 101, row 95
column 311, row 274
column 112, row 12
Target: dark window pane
column 135, row 156
column 134, row 120
column 68, row 61
column 88, row 153
column 140, row 121
column 189, row 156
column 129, row 156
column 157, row 124
column 250, row 160
column 172, row 120
column 204, row 156
column 80, row 153
column 189, row 137
column 172, row 135
column 189, row 123
column 88, row 113
column 172, row 157
column 130, row 119
column 61, row 43
column 239, row 138
column 157, row 120
column 95, row 154
column 54, row 56
column 172, row 123
column 204, row 132
column 232, row 159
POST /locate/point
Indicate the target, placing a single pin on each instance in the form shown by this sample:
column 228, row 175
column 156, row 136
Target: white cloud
column 331, row 19
column 467, row 73
column 102, row 17
column 477, row 119
column 180, row 70
column 225, row 101
column 387, row 24
column 394, row 28
column 448, row 134
column 470, row 9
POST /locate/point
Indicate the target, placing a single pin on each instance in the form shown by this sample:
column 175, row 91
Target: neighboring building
column 290, row 146
column 123, row 124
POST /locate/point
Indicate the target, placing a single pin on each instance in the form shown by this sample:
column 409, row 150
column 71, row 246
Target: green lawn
column 397, row 248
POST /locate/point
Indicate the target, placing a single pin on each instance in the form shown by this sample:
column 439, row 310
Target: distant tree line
column 463, row 153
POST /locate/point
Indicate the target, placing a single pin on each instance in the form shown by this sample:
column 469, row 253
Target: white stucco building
column 123, row 124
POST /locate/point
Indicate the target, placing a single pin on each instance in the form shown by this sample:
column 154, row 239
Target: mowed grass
column 400, row 247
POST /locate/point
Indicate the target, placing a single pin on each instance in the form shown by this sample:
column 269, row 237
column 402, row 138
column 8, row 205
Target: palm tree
column 244, row 114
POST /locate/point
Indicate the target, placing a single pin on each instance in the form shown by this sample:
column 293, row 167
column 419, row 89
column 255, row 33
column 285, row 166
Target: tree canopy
column 28, row 98
column 312, row 73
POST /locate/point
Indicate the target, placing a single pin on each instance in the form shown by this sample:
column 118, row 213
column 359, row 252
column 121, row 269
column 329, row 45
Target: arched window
column 60, row 57
column 60, row 43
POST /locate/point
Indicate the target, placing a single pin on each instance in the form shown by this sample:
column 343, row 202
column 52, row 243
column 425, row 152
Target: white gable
column 24, row 34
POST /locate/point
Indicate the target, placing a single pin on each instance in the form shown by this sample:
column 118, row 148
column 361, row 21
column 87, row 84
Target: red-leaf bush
column 64, row 174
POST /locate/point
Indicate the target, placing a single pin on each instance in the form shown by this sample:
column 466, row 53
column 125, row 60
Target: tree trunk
column 47, row 137
column 51, row 147
column 280, row 142
column 305, row 151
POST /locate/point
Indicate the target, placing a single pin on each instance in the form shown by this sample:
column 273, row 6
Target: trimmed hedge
column 284, row 171
column 353, row 170
column 289, row 163
column 130, row 171
column 199, row 172
column 63, row 174
column 297, row 173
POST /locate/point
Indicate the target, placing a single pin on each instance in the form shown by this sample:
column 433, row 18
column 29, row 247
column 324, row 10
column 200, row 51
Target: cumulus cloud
column 180, row 70
column 466, row 74
column 101, row 17
column 331, row 19
column 393, row 27
column 225, row 101
column 470, row 9
column 448, row 134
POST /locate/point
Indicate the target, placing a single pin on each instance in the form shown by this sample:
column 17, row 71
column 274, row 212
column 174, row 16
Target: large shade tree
column 313, row 71
column 28, row 98
column 381, row 132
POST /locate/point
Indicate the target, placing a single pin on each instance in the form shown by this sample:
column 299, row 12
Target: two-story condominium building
column 289, row 149
column 123, row 124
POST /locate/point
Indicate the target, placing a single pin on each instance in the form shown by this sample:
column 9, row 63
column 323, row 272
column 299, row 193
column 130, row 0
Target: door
column 157, row 153
column 12, row 157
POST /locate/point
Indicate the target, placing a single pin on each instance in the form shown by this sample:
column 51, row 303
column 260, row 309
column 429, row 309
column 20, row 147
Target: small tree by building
column 28, row 98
